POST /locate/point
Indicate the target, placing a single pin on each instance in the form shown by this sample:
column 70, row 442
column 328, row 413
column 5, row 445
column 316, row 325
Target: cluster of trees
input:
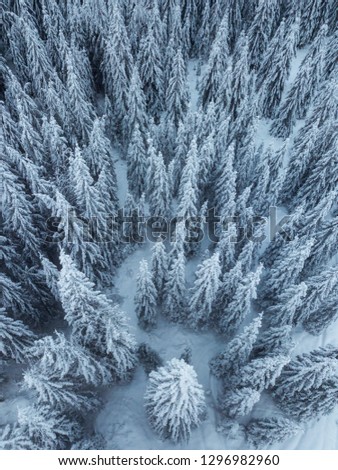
column 82, row 81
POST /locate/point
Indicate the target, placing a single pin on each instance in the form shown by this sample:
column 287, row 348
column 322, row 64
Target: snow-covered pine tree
column 81, row 183
column 314, row 217
column 260, row 373
column 320, row 288
column 285, row 234
column 275, row 67
column 117, row 64
column 177, row 94
column 325, row 245
column 80, row 112
column 150, row 60
column 313, row 15
column 159, row 269
column 180, row 153
column 240, row 76
column 322, row 317
column 237, row 352
column 157, row 183
column 38, row 64
column 225, row 185
column 319, row 182
column 46, row 428
column 211, row 81
column 17, row 209
column 306, row 372
column 202, row 40
column 287, row 266
column 96, row 323
column 174, row 400
column 66, row 358
column 286, row 305
column 240, row 305
column 136, row 106
column 246, row 257
column 261, row 29
column 312, row 404
column 229, row 283
column 191, row 168
column 266, row 431
column 301, row 159
column 204, row 292
column 239, row 402
column 15, row 338
column 236, row 20
column 175, row 304
column 207, row 160
column 61, row 394
column 137, row 163
column 227, row 248
column 274, row 341
column 296, row 102
column 145, row 298
column 98, row 153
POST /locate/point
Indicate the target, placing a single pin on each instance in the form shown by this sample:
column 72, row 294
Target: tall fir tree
column 204, row 291
column 145, row 298
column 96, row 323
column 159, row 268
column 174, row 400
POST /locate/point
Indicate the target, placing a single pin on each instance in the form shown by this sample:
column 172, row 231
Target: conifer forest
column 169, row 224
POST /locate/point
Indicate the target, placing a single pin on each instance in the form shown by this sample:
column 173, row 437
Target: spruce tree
column 273, row 341
column 240, row 305
column 137, row 163
column 177, row 94
column 151, row 71
column 136, row 105
column 145, row 298
column 306, row 372
column 261, row 373
column 175, row 303
column 283, row 311
column 322, row 317
column 117, row 64
column 159, row 269
column 174, row 400
column 237, row 352
column 15, row 337
column 275, row 68
column 239, row 402
column 66, row 358
column 204, row 291
column 47, row 428
column 240, row 77
column 96, row 323
column 213, row 76
column 261, row 29
column 267, row 431
column 225, row 185
column 80, row 112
